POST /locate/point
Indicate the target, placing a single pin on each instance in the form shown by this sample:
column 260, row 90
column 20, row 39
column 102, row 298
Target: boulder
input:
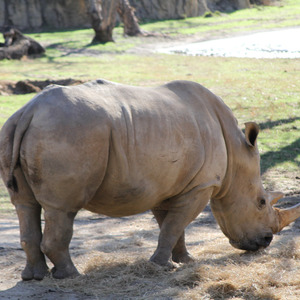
column 29, row 15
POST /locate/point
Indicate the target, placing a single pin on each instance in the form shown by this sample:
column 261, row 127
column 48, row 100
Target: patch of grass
column 64, row 43
column 264, row 91
column 61, row 44
column 256, row 18
column 5, row 205
column 10, row 104
column 260, row 90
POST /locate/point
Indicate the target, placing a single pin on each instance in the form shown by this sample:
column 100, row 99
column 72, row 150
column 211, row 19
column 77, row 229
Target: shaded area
column 120, row 269
column 287, row 153
column 33, row 290
column 66, row 49
column 271, row 124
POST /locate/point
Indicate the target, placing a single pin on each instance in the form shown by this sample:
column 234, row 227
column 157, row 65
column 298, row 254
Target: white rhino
column 120, row 150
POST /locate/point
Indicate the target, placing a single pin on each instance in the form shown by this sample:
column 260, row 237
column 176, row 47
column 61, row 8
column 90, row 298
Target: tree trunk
column 126, row 12
column 103, row 19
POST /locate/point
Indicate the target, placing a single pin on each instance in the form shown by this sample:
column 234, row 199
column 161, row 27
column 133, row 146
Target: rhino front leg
column 31, row 236
column 181, row 211
column 179, row 252
column 55, row 244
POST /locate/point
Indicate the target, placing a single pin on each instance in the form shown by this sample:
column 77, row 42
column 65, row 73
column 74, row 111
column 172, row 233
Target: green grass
column 261, row 90
column 256, row 18
column 10, row 104
column 63, row 43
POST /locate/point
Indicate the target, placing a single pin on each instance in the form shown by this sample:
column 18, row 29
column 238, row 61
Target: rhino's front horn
column 287, row 216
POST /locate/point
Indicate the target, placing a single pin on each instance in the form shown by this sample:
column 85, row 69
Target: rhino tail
column 12, row 184
column 20, row 127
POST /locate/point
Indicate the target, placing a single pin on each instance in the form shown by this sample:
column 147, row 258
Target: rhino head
column 242, row 207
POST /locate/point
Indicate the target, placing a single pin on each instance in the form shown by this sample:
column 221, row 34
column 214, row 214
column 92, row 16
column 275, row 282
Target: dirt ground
column 135, row 235
column 110, row 245
column 91, row 233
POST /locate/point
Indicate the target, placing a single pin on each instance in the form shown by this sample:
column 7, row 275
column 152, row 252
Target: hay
column 218, row 273
column 112, row 256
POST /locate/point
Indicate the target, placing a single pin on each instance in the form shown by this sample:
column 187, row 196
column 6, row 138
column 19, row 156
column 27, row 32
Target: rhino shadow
column 33, row 290
column 119, row 239
column 205, row 219
column 128, row 241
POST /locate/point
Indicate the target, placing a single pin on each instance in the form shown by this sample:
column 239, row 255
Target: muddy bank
column 32, row 86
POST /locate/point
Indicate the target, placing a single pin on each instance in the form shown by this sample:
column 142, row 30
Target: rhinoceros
column 120, row 150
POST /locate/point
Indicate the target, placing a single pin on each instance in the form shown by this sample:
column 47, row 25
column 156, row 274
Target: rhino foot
column 37, row 272
column 170, row 265
column 162, row 260
column 183, row 258
column 68, row 272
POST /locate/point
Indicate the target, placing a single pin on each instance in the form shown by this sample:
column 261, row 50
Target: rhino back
column 121, row 150
column 162, row 144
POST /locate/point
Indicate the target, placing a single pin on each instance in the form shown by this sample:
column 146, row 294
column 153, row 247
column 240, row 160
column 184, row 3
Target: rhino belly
column 126, row 199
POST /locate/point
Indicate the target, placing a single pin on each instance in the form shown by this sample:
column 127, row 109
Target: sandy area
column 128, row 239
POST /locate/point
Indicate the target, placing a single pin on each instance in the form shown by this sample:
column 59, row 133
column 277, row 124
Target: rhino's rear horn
column 287, row 216
column 274, row 197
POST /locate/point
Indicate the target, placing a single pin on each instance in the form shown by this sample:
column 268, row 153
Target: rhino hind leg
column 29, row 215
column 31, row 236
column 55, row 243
column 179, row 252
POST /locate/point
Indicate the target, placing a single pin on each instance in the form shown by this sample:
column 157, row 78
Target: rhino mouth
column 253, row 245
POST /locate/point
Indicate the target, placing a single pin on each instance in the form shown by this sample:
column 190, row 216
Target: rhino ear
column 251, row 133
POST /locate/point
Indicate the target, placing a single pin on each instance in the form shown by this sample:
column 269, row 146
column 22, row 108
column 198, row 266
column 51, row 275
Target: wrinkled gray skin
column 119, row 150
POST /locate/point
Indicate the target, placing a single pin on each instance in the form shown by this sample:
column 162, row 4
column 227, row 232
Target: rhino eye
column 262, row 202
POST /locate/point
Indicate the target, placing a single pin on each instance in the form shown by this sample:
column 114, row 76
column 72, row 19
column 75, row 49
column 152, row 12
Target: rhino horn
column 274, row 197
column 287, row 216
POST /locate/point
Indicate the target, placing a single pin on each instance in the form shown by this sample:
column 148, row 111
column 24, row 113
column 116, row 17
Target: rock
column 227, row 5
column 66, row 14
column 172, row 9
column 2, row 13
column 36, row 14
